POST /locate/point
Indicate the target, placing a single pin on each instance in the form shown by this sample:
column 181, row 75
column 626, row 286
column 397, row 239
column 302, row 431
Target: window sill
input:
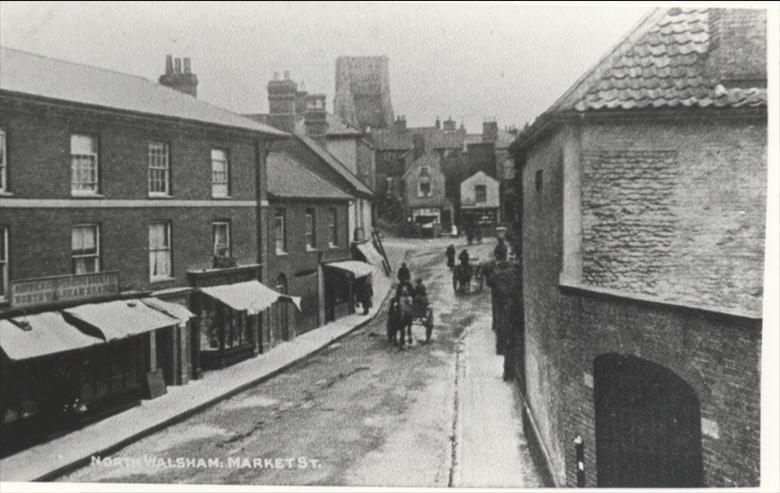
column 160, row 196
column 221, row 197
column 332, row 246
column 4, row 193
column 281, row 254
column 162, row 280
column 310, row 249
column 87, row 195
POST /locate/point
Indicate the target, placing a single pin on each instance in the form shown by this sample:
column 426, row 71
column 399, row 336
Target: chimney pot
column 187, row 66
column 276, row 75
column 168, row 64
column 286, row 75
column 177, row 65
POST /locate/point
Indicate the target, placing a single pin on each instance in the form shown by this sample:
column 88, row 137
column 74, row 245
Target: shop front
column 339, row 283
column 63, row 369
column 231, row 315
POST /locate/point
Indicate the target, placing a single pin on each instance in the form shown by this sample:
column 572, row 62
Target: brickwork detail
column 629, row 217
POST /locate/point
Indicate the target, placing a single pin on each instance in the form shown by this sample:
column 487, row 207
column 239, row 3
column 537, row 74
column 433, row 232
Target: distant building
column 461, row 155
column 425, row 200
column 480, row 202
column 363, row 91
column 642, row 243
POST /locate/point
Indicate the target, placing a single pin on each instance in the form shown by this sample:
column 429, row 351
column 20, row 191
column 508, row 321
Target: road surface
column 358, row 413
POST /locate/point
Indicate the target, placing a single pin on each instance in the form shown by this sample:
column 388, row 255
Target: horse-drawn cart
column 466, row 277
column 422, row 314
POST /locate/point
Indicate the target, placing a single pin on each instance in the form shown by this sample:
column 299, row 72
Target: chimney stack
column 282, row 95
column 400, row 123
column 449, row 125
column 182, row 81
column 315, row 119
column 438, row 123
column 489, row 131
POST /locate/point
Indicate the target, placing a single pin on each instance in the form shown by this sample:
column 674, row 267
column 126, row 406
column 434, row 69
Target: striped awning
column 120, row 319
column 250, row 296
column 42, row 334
column 354, row 267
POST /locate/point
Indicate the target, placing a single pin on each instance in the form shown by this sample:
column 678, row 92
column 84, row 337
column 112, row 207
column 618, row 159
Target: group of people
column 402, row 307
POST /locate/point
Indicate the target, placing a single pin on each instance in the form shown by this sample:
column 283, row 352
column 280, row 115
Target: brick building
column 307, row 227
column 480, row 202
column 126, row 189
column 643, row 208
column 425, row 199
column 346, row 157
column 461, row 155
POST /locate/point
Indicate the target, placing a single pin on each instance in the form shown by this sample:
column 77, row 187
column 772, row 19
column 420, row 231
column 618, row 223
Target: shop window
column 85, row 248
column 83, row 164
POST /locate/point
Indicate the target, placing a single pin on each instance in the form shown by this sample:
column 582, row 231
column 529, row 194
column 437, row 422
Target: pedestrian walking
column 364, row 293
column 450, row 256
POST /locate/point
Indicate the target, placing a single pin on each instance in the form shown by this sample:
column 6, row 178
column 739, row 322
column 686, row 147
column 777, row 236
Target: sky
column 470, row 61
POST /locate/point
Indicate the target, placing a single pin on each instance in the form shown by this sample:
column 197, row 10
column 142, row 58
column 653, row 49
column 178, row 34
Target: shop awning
column 369, row 251
column 122, row 318
column 355, row 267
column 251, row 296
column 41, row 334
column 173, row 309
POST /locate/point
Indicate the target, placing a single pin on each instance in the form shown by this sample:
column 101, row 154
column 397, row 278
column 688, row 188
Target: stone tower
column 363, row 91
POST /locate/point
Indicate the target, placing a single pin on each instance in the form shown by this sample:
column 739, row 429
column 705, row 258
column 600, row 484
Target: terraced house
column 129, row 211
column 643, row 215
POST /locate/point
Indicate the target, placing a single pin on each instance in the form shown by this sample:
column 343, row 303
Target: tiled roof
column 334, row 163
column 40, row 76
column 288, row 178
column 390, row 139
column 667, row 67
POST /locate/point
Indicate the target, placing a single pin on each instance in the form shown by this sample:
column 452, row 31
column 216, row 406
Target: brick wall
column 40, row 240
column 676, row 210
column 299, row 265
column 38, row 139
column 716, row 169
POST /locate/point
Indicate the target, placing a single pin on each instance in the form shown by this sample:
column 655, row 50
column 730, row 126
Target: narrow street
column 361, row 412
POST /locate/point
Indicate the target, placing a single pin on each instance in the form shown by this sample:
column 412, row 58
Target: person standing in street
column 500, row 251
column 451, row 256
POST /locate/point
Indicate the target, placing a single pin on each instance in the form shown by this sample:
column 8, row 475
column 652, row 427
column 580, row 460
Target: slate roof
column 390, row 139
column 287, row 178
column 334, row 163
column 336, row 126
column 50, row 78
column 666, row 67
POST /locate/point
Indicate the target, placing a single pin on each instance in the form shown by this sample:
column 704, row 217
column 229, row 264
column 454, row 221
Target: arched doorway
column 648, row 425
column 281, row 313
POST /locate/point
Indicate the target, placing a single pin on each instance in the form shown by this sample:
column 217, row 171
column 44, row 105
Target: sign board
column 155, row 384
column 63, row 288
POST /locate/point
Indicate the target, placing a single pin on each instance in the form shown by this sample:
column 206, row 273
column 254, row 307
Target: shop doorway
column 648, row 425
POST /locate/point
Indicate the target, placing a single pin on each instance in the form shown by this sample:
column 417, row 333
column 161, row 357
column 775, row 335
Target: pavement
column 56, row 457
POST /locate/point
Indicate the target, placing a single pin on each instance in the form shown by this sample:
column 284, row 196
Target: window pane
column 218, row 154
column 83, row 144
